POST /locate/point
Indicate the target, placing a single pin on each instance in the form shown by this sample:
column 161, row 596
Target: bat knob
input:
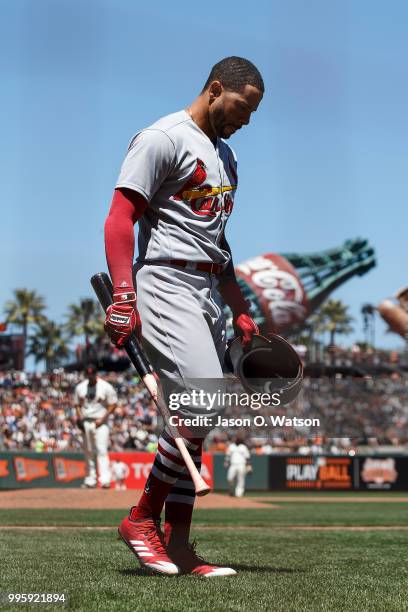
column 202, row 490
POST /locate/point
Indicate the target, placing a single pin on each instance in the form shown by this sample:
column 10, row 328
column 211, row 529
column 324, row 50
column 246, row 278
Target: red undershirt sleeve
column 126, row 209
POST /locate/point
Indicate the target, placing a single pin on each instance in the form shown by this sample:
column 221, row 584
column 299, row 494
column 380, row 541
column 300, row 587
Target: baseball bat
column 102, row 286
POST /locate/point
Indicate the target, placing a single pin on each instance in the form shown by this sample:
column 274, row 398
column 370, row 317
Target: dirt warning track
column 110, row 499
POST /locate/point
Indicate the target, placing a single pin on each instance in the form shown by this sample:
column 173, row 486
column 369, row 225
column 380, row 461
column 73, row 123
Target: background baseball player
column 237, row 459
column 178, row 181
column 95, row 399
column 119, row 471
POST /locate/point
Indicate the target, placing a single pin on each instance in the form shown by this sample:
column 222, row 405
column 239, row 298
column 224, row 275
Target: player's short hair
column 234, row 73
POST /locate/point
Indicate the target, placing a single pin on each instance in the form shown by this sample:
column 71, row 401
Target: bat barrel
column 102, row 286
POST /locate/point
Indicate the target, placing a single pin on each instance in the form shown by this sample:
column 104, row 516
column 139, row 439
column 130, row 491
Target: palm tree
column 47, row 343
column 26, row 308
column 333, row 317
column 85, row 319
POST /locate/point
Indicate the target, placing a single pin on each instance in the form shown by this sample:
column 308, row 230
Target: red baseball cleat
column 145, row 540
column 190, row 563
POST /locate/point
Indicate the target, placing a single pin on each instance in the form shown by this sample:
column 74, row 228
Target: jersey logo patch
column 194, row 182
column 204, row 199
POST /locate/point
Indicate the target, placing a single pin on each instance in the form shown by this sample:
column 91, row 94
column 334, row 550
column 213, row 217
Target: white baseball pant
column 96, row 440
column 236, row 479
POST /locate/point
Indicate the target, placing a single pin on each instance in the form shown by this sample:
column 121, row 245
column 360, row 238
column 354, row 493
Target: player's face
column 91, row 376
column 230, row 110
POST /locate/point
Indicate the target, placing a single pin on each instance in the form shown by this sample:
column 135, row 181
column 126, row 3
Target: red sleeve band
column 126, row 209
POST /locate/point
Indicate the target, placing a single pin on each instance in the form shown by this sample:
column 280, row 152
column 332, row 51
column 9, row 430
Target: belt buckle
column 212, row 267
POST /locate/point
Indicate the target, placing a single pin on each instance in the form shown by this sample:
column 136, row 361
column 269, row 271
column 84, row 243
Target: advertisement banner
column 278, row 289
column 28, row 469
column 280, row 473
column 130, row 470
column 68, row 470
column 4, row 468
column 383, row 473
column 311, row 473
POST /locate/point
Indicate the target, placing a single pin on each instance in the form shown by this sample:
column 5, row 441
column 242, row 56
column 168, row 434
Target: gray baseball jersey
column 189, row 184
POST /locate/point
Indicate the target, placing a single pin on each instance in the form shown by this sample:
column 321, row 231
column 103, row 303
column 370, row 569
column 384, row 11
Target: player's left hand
column 246, row 327
column 99, row 422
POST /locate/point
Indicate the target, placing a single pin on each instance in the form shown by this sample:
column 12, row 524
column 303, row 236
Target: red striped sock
column 152, row 501
column 179, row 507
column 168, row 468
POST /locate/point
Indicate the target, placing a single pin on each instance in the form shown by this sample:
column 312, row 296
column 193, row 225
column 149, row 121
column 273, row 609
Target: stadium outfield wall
column 270, row 472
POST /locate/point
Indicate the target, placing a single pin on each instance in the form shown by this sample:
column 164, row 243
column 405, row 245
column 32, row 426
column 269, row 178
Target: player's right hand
column 122, row 317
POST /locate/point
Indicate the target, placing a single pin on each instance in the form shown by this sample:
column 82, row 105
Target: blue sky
column 322, row 161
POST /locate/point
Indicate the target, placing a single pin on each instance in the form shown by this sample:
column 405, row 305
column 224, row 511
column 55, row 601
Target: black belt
column 201, row 266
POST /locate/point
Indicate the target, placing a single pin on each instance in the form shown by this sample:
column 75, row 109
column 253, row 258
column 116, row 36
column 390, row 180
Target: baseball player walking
column 95, row 399
column 237, row 460
column 178, row 181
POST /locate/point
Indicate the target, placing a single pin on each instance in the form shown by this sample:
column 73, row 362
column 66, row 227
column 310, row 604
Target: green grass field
column 283, row 564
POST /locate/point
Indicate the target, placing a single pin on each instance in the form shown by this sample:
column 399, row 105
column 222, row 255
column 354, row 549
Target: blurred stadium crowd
column 37, row 413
